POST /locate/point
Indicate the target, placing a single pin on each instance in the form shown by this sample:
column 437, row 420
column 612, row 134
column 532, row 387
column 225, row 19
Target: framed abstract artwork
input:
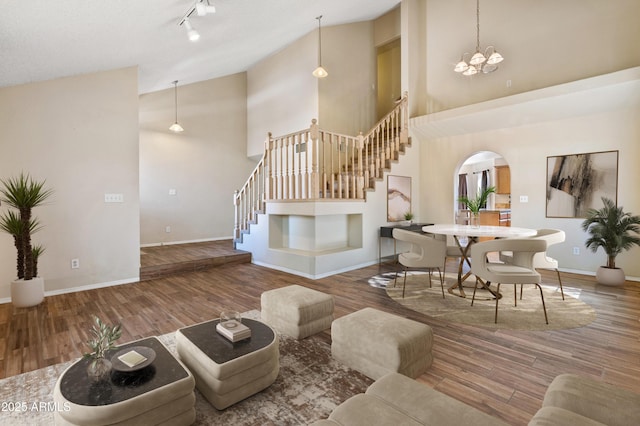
column 576, row 182
column 398, row 197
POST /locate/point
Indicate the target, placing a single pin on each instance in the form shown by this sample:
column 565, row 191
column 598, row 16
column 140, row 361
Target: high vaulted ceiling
column 42, row 40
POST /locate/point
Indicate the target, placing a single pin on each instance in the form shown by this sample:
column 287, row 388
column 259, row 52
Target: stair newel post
column 286, row 167
column 269, row 168
column 236, row 209
column 360, row 179
column 404, row 132
column 297, row 152
column 314, row 133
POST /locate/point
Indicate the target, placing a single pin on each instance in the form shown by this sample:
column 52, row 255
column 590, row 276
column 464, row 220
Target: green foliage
column 22, row 193
column 612, row 229
column 475, row 204
column 408, row 215
column 103, row 338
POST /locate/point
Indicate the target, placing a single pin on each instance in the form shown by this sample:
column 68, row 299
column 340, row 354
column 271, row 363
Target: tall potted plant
column 612, row 229
column 475, row 204
column 23, row 194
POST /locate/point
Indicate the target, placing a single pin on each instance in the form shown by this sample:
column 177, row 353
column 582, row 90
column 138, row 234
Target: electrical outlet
column 576, row 251
column 173, row 191
column 113, row 198
column 524, row 199
column 167, row 229
column 75, row 263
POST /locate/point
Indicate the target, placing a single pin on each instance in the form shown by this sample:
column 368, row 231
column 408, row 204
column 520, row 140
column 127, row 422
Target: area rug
column 309, row 386
column 528, row 315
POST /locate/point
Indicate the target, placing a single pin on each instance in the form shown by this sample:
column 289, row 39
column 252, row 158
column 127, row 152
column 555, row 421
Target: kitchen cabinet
column 503, row 180
column 495, row 217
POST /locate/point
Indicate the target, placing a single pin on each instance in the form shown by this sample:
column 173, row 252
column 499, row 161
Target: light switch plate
column 524, row 199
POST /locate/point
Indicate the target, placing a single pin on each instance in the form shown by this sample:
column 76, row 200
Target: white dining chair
column 542, row 260
column 426, row 252
column 519, row 271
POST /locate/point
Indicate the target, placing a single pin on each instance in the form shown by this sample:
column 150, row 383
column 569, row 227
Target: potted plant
column 104, row 338
column 612, row 229
column 408, row 216
column 474, row 205
column 23, row 194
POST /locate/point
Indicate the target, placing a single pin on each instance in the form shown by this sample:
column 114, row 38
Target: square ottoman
column 376, row 343
column 297, row 311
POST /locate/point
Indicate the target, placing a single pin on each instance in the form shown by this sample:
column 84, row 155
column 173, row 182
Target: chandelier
column 480, row 62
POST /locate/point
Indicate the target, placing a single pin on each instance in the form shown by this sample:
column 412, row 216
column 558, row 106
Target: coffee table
column 228, row 372
column 162, row 392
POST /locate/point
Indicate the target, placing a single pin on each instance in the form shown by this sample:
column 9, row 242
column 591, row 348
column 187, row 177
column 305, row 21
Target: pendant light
column 320, row 72
column 479, row 62
column 175, row 127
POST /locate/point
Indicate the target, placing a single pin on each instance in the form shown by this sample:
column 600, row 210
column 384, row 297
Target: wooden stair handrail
column 315, row 164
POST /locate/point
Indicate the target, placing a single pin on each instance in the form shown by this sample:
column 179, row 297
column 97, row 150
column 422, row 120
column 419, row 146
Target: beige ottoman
column 376, row 343
column 297, row 311
column 227, row 372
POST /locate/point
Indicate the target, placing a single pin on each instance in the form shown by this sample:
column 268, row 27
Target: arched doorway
column 485, row 168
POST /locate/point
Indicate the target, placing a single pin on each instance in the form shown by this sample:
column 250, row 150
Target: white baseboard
column 314, row 277
column 170, row 243
column 82, row 288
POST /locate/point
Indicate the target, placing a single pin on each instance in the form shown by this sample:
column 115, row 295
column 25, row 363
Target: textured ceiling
column 42, row 40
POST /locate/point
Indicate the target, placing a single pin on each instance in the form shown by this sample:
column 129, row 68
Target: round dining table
column 472, row 234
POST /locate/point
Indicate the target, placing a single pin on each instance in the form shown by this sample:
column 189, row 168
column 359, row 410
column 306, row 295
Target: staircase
column 314, row 164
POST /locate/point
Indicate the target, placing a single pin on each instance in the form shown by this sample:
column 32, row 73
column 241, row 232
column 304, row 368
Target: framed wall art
column 576, row 182
column 398, row 197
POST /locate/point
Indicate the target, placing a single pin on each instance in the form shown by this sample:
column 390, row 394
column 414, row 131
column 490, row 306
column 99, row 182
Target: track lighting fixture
column 175, row 127
column 191, row 32
column 200, row 8
column 203, row 8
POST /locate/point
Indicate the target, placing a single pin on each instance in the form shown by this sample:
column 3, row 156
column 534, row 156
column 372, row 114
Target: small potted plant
column 103, row 338
column 408, row 217
column 22, row 193
column 474, row 205
column 615, row 231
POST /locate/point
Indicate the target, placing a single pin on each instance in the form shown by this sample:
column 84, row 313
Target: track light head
column 191, row 32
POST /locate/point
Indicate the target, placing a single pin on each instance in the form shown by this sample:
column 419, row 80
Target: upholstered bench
column 397, row 400
column 576, row 400
column 297, row 311
column 376, row 343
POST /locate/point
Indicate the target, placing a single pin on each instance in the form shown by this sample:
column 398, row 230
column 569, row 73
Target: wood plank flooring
column 501, row 372
column 161, row 261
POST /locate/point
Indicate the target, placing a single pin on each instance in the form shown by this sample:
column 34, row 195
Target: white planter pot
column 27, row 293
column 610, row 276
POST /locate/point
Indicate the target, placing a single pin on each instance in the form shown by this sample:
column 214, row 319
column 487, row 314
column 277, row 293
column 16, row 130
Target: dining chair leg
column 497, row 299
column 474, row 291
column 544, row 308
column 430, row 283
column 404, row 283
column 560, row 281
column 521, row 285
column 515, row 294
column 441, row 281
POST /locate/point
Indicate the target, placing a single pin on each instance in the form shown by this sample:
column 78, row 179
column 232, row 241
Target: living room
column 98, row 133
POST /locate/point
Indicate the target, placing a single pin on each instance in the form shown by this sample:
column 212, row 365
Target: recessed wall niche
column 315, row 235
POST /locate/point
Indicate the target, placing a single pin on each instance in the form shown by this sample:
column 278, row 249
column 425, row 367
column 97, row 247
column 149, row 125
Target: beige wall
column 81, row 135
column 283, row 96
column 347, row 97
column 544, row 43
column 526, row 148
column 204, row 164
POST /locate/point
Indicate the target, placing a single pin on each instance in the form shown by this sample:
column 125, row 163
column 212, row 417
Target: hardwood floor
column 501, row 372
